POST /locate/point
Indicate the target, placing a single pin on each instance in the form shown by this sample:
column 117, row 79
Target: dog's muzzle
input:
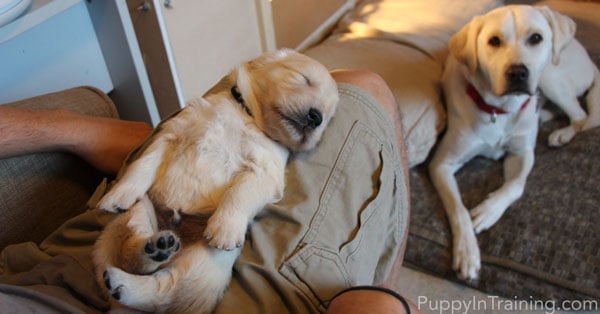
column 517, row 78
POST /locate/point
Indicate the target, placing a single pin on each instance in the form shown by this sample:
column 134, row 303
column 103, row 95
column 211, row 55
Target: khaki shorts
column 341, row 223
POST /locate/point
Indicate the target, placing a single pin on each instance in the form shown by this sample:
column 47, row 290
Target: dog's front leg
column 136, row 181
column 516, row 169
column 447, row 160
column 465, row 250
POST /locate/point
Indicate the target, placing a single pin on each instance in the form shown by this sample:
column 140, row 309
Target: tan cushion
column 405, row 42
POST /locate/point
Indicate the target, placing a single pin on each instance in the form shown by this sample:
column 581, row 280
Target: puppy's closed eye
column 308, row 82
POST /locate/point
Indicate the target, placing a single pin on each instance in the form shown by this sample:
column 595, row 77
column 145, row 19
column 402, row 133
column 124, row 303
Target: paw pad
column 162, row 246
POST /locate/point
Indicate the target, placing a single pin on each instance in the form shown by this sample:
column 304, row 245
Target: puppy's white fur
column 483, row 54
column 213, row 158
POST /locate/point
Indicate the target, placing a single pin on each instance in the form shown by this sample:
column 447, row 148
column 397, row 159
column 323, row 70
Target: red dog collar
column 485, row 107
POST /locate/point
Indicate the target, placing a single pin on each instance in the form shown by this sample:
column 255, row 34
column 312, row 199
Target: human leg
column 376, row 86
column 370, row 300
column 343, row 218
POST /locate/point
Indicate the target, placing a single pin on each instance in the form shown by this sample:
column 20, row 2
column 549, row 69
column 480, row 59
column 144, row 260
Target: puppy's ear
column 267, row 58
column 245, row 83
column 563, row 30
column 463, row 45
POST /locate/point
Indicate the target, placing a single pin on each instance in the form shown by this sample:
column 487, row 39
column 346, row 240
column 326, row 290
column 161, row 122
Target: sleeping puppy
column 223, row 157
column 496, row 64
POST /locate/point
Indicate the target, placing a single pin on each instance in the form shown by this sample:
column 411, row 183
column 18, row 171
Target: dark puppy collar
column 235, row 92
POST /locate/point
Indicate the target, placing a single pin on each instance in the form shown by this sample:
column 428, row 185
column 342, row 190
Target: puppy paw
column 226, row 233
column 114, row 281
column 162, row 246
column 466, row 257
column 562, row 136
column 141, row 292
column 119, row 199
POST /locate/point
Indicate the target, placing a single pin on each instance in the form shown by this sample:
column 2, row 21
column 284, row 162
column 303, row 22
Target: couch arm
column 38, row 192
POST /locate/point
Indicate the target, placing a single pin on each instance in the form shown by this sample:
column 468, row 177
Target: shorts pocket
column 354, row 231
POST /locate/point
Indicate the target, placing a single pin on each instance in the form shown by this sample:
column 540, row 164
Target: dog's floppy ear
column 463, row 45
column 563, row 31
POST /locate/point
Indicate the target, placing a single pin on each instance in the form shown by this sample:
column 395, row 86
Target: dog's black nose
column 314, row 118
column 517, row 74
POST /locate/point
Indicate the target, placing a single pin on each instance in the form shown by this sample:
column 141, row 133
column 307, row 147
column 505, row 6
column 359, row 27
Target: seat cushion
column 405, row 43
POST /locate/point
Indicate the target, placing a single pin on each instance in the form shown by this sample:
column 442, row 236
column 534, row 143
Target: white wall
column 208, row 38
column 51, row 48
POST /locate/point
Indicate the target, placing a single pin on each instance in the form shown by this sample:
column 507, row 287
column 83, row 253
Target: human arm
column 102, row 142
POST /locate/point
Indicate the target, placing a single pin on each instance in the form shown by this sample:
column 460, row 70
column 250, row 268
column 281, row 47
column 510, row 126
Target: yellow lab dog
column 496, row 65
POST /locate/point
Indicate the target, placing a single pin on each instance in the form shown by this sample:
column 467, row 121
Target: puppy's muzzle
column 306, row 121
column 517, row 77
column 314, row 118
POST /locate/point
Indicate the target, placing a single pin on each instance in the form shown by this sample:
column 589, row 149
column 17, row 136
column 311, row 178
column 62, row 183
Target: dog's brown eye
column 494, row 41
column 535, row 39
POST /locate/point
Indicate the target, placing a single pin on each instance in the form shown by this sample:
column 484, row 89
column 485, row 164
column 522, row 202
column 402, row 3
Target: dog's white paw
column 119, row 199
column 466, row 259
column 562, row 136
column 485, row 215
column 225, row 232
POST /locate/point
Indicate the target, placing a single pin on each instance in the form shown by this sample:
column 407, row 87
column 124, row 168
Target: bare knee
column 369, row 81
column 378, row 88
column 369, row 301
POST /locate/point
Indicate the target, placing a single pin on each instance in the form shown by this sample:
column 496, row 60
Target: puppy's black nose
column 314, row 118
column 517, row 74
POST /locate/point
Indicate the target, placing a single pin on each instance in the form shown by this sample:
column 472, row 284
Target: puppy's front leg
column 516, row 169
column 251, row 191
column 136, row 181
